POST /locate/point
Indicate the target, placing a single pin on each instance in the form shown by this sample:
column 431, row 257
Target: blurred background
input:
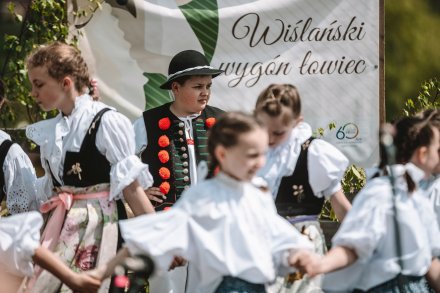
column 412, row 46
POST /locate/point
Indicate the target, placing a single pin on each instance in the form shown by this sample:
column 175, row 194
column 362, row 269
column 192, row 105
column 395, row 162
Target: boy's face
column 193, row 96
column 46, row 90
column 243, row 160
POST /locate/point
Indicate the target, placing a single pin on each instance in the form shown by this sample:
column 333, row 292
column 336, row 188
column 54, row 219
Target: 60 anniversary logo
column 348, row 131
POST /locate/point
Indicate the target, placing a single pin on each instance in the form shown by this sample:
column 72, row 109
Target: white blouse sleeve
column 326, row 166
column 429, row 220
column 156, row 235
column 19, row 181
column 365, row 224
column 286, row 238
column 115, row 139
column 140, row 135
column 19, row 237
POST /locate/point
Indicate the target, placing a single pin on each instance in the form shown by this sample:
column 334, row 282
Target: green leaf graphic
column 154, row 95
column 202, row 15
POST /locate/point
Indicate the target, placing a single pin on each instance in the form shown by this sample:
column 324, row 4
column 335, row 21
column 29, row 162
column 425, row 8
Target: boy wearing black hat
column 172, row 138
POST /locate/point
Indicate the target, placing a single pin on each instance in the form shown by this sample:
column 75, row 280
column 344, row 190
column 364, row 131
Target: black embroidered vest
column 4, row 149
column 295, row 195
column 178, row 164
column 88, row 166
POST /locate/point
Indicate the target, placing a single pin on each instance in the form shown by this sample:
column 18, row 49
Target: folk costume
column 301, row 173
column 88, row 158
column 173, row 147
column 17, row 177
column 369, row 230
column 228, row 230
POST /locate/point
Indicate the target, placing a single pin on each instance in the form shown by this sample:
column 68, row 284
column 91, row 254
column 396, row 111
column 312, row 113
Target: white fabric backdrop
column 329, row 49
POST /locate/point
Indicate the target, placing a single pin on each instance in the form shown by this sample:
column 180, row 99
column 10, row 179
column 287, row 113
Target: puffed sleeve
column 326, row 166
column 429, row 220
column 115, row 139
column 284, row 237
column 364, row 225
column 19, row 181
column 19, row 237
column 434, row 196
column 140, row 135
column 156, row 235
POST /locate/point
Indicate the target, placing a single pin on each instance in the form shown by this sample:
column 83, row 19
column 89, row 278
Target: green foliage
column 44, row 21
column 353, row 181
column 428, row 98
column 411, row 49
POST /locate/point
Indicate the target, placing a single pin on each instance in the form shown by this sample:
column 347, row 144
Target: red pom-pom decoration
column 164, row 123
column 216, row 170
column 164, row 173
column 121, row 281
column 163, row 141
column 210, row 122
column 164, row 187
column 164, row 156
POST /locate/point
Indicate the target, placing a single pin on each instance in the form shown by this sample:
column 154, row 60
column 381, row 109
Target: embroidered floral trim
column 306, row 144
column 210, row 122
column 164, row 156
column 298, row 192
column 165, row 187
column 76, row 169
column 164, row 123
column 164, row 173
column 163, row 141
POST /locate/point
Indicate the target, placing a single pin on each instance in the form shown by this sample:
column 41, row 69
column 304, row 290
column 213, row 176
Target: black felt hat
column 189, row 62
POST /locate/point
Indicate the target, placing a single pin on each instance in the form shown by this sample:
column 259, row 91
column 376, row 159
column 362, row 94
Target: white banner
column 329, row 49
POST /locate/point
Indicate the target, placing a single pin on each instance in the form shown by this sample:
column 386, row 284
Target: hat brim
column 204, row 71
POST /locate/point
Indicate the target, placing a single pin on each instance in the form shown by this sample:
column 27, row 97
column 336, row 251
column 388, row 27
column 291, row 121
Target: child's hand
column 154, row 194
column 97, row 273
column 178, row 261
column 84, row 283
column 306, row 262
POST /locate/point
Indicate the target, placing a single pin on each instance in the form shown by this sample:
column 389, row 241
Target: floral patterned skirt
column 297, row 282
column 89, row 237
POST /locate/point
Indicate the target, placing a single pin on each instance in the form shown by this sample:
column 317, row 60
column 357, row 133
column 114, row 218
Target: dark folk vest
column 4, row 149
column 177, row 166
column 295, row 195
column 88, row 166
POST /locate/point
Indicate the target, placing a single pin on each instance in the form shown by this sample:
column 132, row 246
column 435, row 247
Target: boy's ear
column 174, row 86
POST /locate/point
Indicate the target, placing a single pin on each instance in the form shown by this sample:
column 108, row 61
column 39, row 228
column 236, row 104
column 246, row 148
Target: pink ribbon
column 61, row 203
